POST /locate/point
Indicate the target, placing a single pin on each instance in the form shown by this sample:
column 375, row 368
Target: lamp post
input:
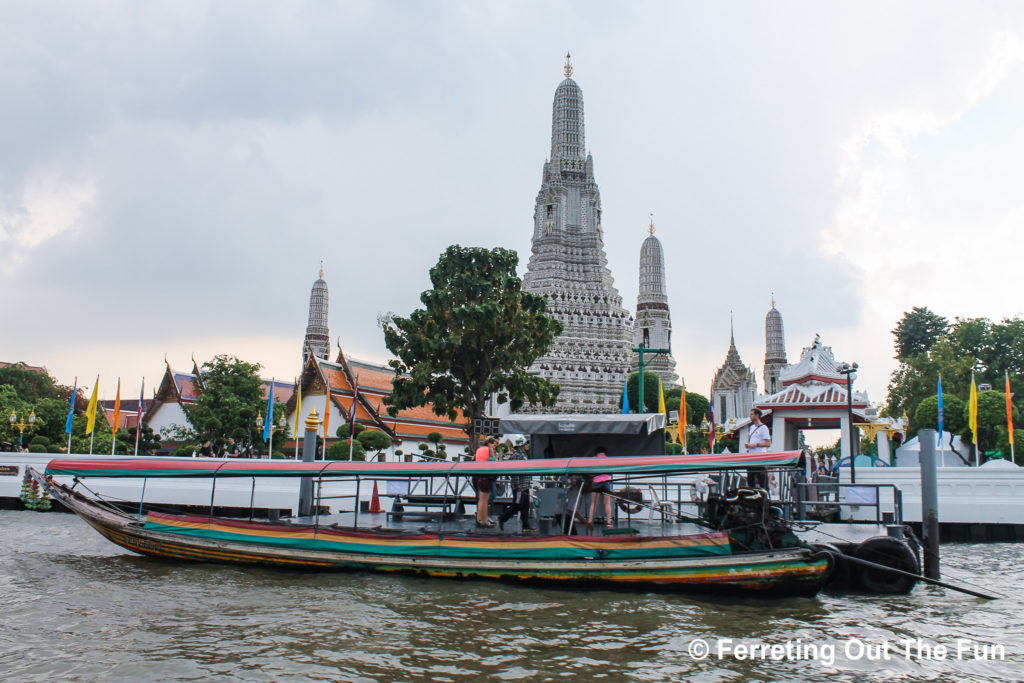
column 20, row 425
column 642, row 349
column 849, row 370
column 279, row 427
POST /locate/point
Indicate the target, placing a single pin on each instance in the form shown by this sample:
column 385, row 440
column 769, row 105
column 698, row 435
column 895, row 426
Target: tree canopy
column 651, row 384
column 230, row 399
column 476, row 335
column 917, row 331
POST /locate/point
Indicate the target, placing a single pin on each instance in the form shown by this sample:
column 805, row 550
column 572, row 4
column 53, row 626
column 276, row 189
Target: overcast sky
column 171, row 174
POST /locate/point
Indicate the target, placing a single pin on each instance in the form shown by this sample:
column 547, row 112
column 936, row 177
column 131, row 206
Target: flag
column 1009, row 409
column 138, row 422
column 711, row 435
column 352, row 413
column 117, row 418
column 268, row 425
column 90, row 412
column 298, row 410
column 327, row 420
column 972, row 408
column 661, row 396
column 625, row 397
column 682, row 419
column 942, row 412
column 298, row 407
column 71, row 408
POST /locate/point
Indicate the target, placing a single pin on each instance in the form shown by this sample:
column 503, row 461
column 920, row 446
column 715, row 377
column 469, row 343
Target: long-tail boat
column 705, row 558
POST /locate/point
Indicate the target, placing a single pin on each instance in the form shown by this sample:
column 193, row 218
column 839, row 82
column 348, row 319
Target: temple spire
column 317, row 341
column 653, row 326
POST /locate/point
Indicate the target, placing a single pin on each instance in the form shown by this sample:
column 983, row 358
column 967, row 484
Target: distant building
column 330, row 386
column 733, row 388
column 774, row 349
column 318, row 340
column 653, row 325
column 178, row 390
column 568, row 266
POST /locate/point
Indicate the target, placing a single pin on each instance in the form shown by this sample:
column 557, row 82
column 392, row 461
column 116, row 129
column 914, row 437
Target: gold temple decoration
column 568, row 65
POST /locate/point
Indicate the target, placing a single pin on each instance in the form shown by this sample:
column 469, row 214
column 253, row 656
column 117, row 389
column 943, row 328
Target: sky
column 173, row 173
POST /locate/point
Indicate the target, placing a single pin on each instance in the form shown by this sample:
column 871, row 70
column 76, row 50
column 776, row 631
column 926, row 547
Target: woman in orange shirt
column 482, row 484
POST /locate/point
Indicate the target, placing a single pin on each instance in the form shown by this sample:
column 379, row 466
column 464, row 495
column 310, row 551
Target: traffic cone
column 375, row 501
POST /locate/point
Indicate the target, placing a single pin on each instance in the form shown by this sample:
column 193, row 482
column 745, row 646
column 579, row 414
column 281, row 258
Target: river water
column 77, row 608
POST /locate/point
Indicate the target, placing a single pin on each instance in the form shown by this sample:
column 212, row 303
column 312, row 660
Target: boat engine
column 752, row 523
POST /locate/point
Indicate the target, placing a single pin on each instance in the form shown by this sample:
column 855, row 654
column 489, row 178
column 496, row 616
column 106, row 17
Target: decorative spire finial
column 732, row 334
column 651, row 228
column 321, row 269
column 773, row 299
column 568, row 65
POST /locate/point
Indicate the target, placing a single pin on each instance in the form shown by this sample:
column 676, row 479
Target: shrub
column 36, row 447
column 339, row 451
column 184, row 451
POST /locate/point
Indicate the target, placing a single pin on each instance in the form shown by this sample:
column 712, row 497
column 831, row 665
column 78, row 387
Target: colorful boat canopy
column 232, row 467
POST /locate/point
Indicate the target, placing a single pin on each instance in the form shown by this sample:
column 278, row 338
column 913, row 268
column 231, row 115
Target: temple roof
column 816, row 362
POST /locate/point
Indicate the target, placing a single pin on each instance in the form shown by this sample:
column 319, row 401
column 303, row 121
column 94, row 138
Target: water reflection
column 79, row 608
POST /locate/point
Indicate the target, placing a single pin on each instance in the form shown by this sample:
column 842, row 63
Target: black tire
column 839, row 577
column 891, row 553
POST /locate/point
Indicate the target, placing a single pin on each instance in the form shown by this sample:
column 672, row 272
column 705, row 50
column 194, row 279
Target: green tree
column 343, row 431
column 918, row 331
column 916, row 378
column 476, row 337
column 374, row 440
column 32, row 385
column 926, row 416
column 697, row 408
column 148, row 441
column 991, row 420
column 651, row 384
column 340, row 450
column 673, row 398
column 229, row 402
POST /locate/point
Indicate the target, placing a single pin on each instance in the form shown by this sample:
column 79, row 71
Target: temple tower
column 734, row 387
column 590, row 359
column 653, row 324
column 317, row 342
column 774, row 349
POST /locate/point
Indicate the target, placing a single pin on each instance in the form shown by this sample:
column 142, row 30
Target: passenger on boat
column 758, row 442
column 602, row 489
column 520, row 490
column 207, row 450
column 483, row 484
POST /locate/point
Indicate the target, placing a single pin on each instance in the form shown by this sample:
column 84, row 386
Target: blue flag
column 625, row 397
column 942, row 415
column 268, row 425
column 71, row 409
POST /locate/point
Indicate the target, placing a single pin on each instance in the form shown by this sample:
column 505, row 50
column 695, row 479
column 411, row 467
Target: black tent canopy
column 571, row 435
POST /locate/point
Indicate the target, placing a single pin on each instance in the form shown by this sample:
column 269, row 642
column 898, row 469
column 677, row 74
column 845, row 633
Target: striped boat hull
column 695, row 563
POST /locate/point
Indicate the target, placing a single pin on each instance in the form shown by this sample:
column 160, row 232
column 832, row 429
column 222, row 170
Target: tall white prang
column 591, row 358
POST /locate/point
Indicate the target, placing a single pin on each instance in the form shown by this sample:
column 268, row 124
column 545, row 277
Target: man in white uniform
column 759, row 441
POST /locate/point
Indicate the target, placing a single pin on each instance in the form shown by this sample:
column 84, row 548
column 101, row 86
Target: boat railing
column 829, row 494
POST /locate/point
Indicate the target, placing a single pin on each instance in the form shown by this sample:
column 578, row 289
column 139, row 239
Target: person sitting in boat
column 207, row 450
column 602, row 489
column 230, row 449
column 483, row 484
column 521, row 484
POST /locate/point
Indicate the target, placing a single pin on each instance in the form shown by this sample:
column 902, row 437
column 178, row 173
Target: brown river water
column 77, row 608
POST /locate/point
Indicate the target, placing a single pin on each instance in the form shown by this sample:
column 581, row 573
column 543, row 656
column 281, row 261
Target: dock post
column 929, row 502
column 308, row 455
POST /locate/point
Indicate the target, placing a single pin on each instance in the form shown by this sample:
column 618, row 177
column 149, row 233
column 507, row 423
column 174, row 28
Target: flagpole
column 69, row 423
column 138, row 421
column 298, row 409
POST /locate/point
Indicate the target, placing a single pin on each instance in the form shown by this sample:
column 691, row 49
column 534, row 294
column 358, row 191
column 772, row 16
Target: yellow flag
column 90, row 412
column 117, row 417
column 661, row 396
column 298, row 411
column 973, row 411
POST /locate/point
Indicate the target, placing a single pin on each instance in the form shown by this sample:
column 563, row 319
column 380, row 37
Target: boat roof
column 567, row 424
column 234, row 467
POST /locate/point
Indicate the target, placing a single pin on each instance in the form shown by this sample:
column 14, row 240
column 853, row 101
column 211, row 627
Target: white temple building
column 591, row 358
column 653, row 325
column 317, row 341
column 733, row 388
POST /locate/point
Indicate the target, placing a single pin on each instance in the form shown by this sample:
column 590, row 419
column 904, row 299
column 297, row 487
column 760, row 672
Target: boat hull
column 692, row 563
